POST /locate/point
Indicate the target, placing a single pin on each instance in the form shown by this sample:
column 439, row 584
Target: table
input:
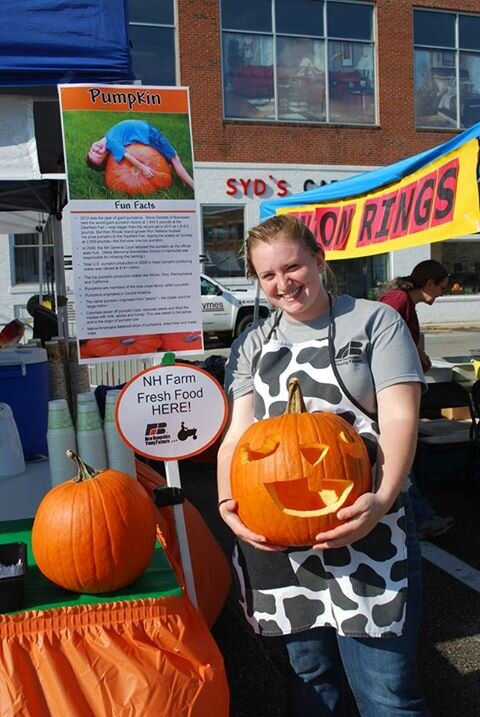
column 458, row 369
column 452, row 368
column 21, row 495
column 144, row 651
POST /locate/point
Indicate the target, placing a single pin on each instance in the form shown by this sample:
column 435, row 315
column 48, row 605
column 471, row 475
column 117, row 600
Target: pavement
column 449, row 641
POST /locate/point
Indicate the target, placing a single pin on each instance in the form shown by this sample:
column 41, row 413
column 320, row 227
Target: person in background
column 353, row 597
column 428, row 280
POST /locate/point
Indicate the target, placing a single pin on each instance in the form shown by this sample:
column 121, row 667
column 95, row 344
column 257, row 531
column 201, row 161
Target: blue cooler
column 24, row 386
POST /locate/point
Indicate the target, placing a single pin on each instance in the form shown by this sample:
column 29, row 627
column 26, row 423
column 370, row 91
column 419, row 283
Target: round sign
column 171, row 412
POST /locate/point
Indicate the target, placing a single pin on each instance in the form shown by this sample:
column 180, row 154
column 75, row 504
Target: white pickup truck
column 228, row 312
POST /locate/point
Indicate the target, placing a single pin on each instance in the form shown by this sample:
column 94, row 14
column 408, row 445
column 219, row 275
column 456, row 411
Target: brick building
column 352, row 86
column 287, row 95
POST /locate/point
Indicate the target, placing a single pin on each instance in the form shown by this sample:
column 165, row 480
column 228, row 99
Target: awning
column 432, row 196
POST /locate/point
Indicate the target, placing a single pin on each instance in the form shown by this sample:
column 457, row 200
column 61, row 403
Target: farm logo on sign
column 156, row 433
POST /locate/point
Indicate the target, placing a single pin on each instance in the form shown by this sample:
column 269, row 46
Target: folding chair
column 445, row 447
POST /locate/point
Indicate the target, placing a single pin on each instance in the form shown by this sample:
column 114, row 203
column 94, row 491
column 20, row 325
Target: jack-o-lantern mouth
column 293, row 497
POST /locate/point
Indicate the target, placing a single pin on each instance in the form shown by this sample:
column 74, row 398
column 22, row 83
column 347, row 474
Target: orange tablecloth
column 139, row 658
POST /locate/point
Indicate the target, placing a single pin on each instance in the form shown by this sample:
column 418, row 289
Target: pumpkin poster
column 133, row 220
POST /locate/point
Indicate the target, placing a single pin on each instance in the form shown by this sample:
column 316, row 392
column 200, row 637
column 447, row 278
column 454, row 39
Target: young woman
column 427, row 282
column 353, row 597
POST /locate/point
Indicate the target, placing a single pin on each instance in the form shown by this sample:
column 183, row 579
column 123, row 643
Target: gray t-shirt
column 372, row 345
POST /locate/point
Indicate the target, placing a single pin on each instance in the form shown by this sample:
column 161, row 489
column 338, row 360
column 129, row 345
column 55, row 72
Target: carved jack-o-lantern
column 291, row 474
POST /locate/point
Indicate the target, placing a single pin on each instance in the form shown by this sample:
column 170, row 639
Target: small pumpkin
column 95, row 533
column 123, row 176
column 120, row 346
column 292, row 473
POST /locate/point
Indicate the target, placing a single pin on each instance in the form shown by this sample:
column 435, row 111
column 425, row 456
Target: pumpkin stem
column 295, row 403
column 84, row 471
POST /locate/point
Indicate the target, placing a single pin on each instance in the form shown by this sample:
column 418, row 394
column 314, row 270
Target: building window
column 308, row 61
column 461, row 258
column 447, row 69
column 151, row 30
column 223, row 239
column 360, row 277
column 27, row 256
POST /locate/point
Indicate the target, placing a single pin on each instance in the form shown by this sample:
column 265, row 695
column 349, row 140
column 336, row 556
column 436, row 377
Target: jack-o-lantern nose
column 314, row 454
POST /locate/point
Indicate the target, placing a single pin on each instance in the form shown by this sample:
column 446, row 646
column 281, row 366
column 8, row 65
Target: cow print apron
column 360, row 589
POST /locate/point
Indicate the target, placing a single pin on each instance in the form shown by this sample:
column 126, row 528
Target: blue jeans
column 422, row 509
column 381, row 671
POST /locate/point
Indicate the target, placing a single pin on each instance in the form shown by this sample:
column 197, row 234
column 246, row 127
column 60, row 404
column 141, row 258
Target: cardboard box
column 456, row 414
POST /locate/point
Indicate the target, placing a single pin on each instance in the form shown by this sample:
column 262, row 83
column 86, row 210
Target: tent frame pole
column 60, row 283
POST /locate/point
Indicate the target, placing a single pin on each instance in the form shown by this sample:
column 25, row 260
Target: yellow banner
column 439, row 202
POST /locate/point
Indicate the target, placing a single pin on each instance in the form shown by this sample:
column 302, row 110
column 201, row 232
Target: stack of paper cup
column 90, row 439
column 60, row 438
column 120, row 456
column 87, row 397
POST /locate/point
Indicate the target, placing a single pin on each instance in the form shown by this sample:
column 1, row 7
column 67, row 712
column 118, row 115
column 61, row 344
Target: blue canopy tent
column 47, row 42
column 44, row 43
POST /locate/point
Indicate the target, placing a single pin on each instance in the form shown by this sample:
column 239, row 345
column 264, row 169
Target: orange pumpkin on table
column 125, row 177
column 95, row 533
column 291, row 474
column 120, row 346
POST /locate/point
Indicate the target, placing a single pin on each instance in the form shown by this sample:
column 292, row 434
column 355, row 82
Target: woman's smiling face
column 289, row 276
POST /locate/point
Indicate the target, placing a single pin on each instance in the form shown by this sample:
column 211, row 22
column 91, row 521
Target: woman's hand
column 397, row 418
column 360, row 519
column 229, row 513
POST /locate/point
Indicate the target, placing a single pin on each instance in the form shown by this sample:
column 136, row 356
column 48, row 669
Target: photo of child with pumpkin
column 352, row 599
column 127, row 132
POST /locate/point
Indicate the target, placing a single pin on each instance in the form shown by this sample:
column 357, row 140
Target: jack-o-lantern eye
column 269, row 447
column 314, row 453
column 352, row 447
